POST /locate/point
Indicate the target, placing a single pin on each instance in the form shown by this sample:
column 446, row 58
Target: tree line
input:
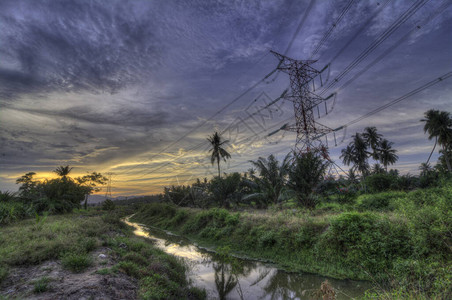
column 304, row 177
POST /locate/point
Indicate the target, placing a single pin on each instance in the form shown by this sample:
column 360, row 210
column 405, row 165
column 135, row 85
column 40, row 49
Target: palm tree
column 305, row 175
column 217, row 151
column 378, row 169
column 372, row 139
column 352, row 177
column 425, row 168
column 272, row 177
column 348, row 156
column 438, row 124
column 63, row 172
column 356, row 153
column 386, row 154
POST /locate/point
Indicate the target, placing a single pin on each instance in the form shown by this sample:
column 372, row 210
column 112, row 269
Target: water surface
column 241, row 278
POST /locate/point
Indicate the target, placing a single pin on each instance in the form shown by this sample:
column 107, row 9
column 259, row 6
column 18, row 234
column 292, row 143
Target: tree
column 90, row 182
column 438, row 125
column 28, row 186
column 307, row 173
column 356, row 153
column 227, row 190
column 218, row 152
column 378, row 169
column 386, row 154
column 63, row 172
column 272, row 177
column 372, row 139
column 425, row 169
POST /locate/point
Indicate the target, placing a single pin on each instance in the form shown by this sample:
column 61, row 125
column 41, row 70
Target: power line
column 238, row 142
column 381, row 38
column 300, row 25
column 333, row 26
column 395, row 101
column 367, row 115
column 222, row 132
column 205, row 121
column 432, row 16
column 360, row 30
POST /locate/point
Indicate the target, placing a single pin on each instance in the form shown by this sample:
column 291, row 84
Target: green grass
column 106, row 271
column 3, row 273
column 383, row 237
column 41, row 285
column 71, row 238
column 76, row 262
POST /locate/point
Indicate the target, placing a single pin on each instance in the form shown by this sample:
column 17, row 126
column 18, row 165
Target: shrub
column 3, row 273
column 368, row 240
column 346, row 195
column 156, row 286
column 130, row 268
column 108, row 204
column 379, row 182
column 407, row 182
column 12, row 211
column 41, row 285
column 305, row 176
column 76, row 262
column 381, row 201
column 7, row 196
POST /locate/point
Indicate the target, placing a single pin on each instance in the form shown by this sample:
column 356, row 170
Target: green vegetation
column 366, row 145
column 54, row 196
column 218, row 152
column 400, row 240
column 41, row 285
column 72, row 237
column 76, row 262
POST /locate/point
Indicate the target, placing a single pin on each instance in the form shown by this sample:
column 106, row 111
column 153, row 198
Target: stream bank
column 226, row 277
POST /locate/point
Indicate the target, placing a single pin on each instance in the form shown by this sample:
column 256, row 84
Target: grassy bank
column 71, row 239
column 399, row 240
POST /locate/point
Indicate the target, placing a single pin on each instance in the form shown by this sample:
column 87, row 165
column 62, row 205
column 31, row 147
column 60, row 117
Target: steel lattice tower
column 108, row 192
column 304, row 101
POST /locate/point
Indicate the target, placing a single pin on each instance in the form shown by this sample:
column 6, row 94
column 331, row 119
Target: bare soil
column 64, row 284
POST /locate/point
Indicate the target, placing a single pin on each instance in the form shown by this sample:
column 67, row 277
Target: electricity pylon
column 301, row 73
column 108, row 191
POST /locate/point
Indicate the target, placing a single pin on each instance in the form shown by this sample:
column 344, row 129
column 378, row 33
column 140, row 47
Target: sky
column 134, row 88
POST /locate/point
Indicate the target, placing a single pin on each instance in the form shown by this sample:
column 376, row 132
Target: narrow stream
column 246, row 279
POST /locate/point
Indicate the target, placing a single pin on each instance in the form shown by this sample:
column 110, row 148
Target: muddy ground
column 64, row 284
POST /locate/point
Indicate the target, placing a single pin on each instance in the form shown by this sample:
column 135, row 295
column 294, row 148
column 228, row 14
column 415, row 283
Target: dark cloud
column 110, row 84
column 123, row 116
column 76, row 46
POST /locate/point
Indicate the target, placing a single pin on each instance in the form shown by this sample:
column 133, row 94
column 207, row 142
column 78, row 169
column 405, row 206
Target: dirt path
column 63, row 284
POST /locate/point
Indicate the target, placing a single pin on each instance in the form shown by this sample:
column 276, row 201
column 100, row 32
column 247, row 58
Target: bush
column 346, row 195
column 381, row 201
column 366, row 240
column 407, row 182
column 7, row 197
column 41, row 285
column 305, row 176
column 76, row 262
column 108, row 204
column 379, row 182
column 3, row 273
column 12, row 211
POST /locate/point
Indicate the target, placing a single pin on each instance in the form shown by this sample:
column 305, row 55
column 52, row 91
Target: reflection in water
column 225, row 281
column 224, row 277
